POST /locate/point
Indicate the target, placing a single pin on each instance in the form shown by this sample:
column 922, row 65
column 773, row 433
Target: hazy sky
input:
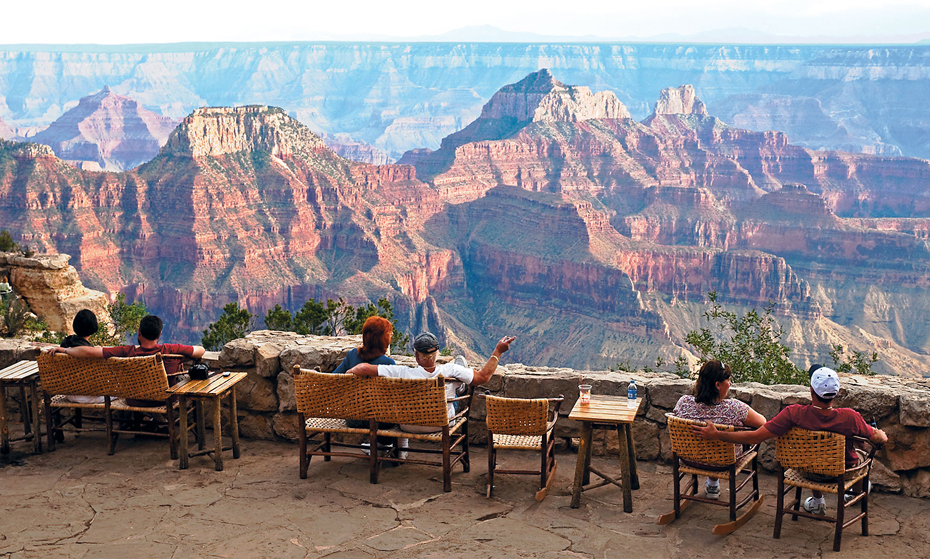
column 165, row 21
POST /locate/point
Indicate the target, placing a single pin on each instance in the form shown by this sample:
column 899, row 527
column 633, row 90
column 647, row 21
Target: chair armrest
column 873, row 447
column 555, row 404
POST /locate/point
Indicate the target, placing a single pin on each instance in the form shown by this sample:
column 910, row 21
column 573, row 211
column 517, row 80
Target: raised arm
column 484, row 374
column 80, row 351
column 739, row 437
column 364, row 370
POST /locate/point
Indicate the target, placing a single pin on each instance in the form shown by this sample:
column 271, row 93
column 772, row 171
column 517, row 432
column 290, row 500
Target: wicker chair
column 325, row 401
column 699, row 457
column 120, row 380
column 522, row 424
column 823, row 453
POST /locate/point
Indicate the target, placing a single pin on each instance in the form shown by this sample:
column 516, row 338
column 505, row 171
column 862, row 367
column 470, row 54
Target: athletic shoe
column 815, row 506
column 848, row 497
column 460, row 360
column 712, row 492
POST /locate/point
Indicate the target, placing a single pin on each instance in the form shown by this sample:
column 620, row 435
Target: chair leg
column 111, row 436
column 327, row 447
column 732, row 494
column 492, row 463
column 676, row 488
column 49, row 423
column 172, row 430
column 543, row 463
column 466, row 456
column 446, row 461
column 302, row 440
column 78, row 418
column 373, row 451
column 779, row 503
column 840, row 516
column 797, row 503
column 864, row 484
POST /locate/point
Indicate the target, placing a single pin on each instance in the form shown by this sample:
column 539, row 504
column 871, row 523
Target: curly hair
column 376, row 337
column 705, row 389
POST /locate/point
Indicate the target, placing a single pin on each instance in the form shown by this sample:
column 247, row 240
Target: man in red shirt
column 819, row 415
column 149, row 332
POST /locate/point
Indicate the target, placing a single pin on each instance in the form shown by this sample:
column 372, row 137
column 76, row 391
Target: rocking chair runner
column 800, row 451
column 523, row 424
column 696, row 456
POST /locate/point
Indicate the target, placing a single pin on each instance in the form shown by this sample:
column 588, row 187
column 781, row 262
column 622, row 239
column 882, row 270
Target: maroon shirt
column 171, row 365
column 845, row 421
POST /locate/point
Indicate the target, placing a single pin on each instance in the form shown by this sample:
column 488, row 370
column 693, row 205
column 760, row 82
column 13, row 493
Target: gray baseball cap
column 825, row 383
column 426, row 343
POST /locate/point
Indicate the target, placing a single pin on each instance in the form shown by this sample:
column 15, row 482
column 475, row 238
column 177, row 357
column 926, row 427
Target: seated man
column 149, row 332
column 426, row 348
column 820, row 415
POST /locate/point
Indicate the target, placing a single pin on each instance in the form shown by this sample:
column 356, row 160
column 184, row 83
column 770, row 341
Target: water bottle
column 631, row 394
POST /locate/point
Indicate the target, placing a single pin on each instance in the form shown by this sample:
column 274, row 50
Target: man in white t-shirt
column 425, row 350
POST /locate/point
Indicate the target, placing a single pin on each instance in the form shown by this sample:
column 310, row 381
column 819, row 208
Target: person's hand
column 54, row 350
column 708, row 431
column 504, row 344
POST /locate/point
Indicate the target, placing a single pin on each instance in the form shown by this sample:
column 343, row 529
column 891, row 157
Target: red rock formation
column 106, row 131
column 554, row 214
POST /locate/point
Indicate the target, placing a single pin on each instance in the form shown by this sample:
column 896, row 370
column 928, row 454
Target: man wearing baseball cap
column 425, row 350
column 819, row 415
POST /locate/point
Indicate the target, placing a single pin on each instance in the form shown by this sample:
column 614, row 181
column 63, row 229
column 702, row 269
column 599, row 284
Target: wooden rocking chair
column 699, row 457
column 800, row 451
column 522, row 424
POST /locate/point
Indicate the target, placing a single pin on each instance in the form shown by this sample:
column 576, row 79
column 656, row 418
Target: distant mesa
column 680, row 100
column 107, row 131
column 538, row 97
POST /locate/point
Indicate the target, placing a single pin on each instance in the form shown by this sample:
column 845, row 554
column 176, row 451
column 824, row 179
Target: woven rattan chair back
column 332, row 396
column 62, row 374
column 516, row 416
column 410, row 401
column 139, row 378
column 818, row 452
column 693, row 448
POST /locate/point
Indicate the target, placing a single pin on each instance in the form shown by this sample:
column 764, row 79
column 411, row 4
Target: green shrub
column 235, row 322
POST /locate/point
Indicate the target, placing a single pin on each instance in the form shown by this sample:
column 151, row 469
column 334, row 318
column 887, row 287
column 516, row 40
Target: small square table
column 606, row 412
column 213, row 389
column 25, row 375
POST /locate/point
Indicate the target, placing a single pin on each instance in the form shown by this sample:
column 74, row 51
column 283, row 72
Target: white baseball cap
column 825, row 383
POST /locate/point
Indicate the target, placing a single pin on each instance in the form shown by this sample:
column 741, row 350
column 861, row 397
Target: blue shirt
column 352, row 360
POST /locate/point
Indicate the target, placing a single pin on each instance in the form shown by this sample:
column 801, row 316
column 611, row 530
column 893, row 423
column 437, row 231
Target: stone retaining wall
column 267, row 407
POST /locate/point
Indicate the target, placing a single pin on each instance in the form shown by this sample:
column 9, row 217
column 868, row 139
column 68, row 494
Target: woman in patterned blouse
column 710, row 403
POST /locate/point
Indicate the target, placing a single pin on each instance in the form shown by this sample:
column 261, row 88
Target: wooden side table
column 213, row 389
column 25, row 375
column 606, row 412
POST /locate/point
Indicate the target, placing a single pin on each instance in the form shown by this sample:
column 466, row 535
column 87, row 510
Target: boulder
column 238, row 353
column 665, row 393
column 267, row 363
column 285, row 425
column 255, row 426
column 287, row 401
column 914, row 409
column 256, row 393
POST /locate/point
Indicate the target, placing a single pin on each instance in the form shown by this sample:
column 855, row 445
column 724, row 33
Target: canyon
column 398, row 96
column 554, row 215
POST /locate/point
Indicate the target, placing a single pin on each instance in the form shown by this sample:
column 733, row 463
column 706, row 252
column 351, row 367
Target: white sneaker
column 815, row 506
column 402, row 445
column 712, row 491
column 460, row 360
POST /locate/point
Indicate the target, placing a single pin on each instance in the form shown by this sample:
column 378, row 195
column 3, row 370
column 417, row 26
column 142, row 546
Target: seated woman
column 376, row 337
column 710, row 403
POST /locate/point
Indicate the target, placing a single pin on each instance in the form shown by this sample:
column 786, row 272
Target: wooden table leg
column 584, row 449
column 4, row 428
column 34, row 398
column 625, row 474
column 234, row 422
column 184, row 455
column 634, row 475
column 218, row 434
column 201, row 427
column 24, row 409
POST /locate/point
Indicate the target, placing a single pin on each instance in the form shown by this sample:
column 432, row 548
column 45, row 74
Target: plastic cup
column 584, row 393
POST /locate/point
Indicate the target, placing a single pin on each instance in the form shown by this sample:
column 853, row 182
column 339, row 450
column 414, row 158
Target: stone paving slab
column 77, row 502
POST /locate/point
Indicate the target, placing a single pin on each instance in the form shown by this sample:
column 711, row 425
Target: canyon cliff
column 554, row 216
column 400, row 96
column 107, row 132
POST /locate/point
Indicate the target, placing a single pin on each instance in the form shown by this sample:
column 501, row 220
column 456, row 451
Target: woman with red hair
column 376, row 337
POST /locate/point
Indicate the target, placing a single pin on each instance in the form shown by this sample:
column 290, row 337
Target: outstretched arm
column 484, row 374
column 80, row 351
column 739, row 437
column 198, row 352
column 364, row 370
column 878, row 436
